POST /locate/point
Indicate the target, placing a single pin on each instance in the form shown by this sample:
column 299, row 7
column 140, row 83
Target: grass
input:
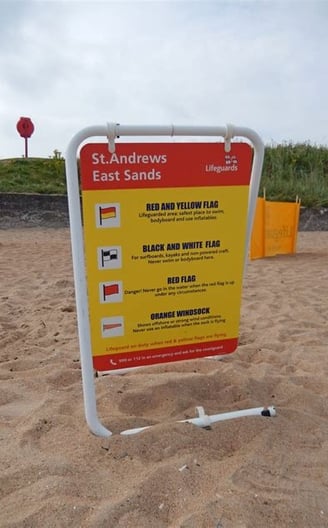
column 33, row 175
column 292, row 170
column 289, row 170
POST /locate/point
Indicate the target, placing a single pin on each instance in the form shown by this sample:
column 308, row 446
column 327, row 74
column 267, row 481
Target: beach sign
column 159, row 246
column 164, row 236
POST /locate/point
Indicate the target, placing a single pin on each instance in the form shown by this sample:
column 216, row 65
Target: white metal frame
column 112, row 131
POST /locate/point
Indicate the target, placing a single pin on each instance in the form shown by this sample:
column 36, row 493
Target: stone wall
column 51, row 210
column 33, row 210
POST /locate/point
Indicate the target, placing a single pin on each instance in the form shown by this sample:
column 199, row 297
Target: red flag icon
column 110, row 289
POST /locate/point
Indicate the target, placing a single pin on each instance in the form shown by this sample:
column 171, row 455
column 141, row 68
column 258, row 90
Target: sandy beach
column 252, row 472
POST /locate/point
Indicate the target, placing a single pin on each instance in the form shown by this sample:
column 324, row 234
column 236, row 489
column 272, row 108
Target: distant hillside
column 33, row 175
column 290, row 170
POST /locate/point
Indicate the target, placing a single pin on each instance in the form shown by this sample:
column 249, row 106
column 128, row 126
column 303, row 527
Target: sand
column 250, row 472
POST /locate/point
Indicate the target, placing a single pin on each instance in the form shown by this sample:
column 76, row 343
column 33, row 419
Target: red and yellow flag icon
column 105, row 213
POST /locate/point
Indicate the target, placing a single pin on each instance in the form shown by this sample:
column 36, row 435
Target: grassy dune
column 290, row 170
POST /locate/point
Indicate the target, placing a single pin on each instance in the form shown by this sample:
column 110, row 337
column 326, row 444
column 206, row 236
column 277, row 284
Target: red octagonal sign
column 25, row 127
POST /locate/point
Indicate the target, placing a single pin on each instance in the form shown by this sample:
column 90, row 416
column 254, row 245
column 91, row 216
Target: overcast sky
column 70, row 64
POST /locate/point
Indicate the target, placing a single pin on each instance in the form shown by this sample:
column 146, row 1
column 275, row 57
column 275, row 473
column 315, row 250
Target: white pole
column 89, row 394
column 205, row 420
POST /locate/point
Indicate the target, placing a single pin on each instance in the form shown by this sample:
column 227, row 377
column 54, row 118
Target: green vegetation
column 290, row 170
column 33, row 175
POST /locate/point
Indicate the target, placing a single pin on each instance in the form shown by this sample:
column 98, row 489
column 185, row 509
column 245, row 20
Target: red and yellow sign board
column 164, row 236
